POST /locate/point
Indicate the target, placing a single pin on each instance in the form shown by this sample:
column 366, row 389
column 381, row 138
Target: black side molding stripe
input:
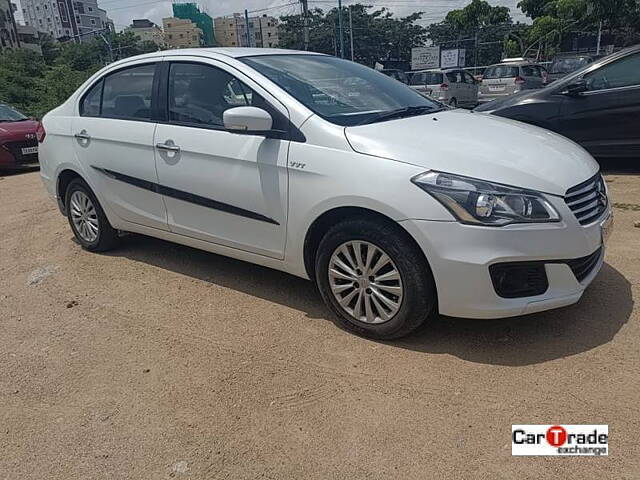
column 186, row 196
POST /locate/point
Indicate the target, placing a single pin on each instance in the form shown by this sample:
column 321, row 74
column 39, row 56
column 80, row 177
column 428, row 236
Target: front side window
column 199, row 94
column 342, row 92
column 621, row 73
column 127, row 93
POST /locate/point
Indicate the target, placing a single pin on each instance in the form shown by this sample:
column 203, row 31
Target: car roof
column 439, row 70
column 232, row 52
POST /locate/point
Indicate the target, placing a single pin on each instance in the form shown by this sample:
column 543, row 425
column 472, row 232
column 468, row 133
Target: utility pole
column 340, row 28
column 351, row 30
column 246, row 26
column 599, row 37
column 305, row 22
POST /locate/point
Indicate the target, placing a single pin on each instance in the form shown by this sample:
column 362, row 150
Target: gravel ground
column 161, row 361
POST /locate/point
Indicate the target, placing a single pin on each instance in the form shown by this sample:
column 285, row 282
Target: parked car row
column 598, row 106
column 455, row 86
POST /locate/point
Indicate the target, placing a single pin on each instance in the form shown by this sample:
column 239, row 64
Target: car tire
column 453, row 103
column 417, row 298
column 87, row 219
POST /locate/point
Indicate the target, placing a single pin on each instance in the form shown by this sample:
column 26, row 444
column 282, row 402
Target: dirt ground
column 161, row 361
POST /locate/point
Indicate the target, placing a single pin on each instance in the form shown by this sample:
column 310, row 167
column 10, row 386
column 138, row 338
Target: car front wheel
column 375, row 279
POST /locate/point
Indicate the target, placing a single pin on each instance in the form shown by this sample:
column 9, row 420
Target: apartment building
column 29, row 38
column 191, row 11
column 79, row 19
column 147, row 31
column 8, row 29
column 181, row 33
column 232, row 31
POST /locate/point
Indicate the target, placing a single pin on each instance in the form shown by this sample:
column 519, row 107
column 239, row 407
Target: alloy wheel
column 84, row 216
column 365, row 282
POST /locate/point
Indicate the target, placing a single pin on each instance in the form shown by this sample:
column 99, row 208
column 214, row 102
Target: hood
column 17, row 130
column 481, row 146
column 507, row 101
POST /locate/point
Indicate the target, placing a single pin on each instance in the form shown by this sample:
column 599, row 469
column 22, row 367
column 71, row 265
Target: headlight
column 479, row 202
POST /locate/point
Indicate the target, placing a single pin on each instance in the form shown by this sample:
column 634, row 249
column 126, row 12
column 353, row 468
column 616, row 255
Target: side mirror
column 576, row 87
column 247, row 120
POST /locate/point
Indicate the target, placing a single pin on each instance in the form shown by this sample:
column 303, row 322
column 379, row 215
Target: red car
column 18, row 142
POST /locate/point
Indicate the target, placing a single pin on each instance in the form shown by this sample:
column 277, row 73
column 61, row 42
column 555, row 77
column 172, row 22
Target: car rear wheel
column 87, row 219
column 374, row 279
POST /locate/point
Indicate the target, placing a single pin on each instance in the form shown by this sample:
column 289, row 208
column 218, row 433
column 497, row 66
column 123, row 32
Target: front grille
column 16, row 150
column 582, row 267
column 587, row 200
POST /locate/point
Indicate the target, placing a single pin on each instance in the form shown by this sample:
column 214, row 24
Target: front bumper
column 460, row 257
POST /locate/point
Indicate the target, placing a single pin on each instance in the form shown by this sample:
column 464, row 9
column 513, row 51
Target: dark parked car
column 598, row 106
column 562, row 66
column 18, row 143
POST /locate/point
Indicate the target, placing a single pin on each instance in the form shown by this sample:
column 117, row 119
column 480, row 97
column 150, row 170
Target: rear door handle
column 83, row 135
column 168, row 146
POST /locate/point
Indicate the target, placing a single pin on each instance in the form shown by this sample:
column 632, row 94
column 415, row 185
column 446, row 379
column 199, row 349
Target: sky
column 123, row 11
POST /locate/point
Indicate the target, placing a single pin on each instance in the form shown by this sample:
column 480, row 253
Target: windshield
column 342, row 92
column 500, row 71
column 568, row 65
column 8, row 114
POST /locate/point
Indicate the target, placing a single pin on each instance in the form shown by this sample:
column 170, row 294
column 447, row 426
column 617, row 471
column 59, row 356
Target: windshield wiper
column 400, row 113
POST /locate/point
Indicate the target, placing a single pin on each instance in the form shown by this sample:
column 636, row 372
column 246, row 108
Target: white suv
column 326, row 169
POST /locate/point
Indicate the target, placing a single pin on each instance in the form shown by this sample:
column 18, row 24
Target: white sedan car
column 394, row 206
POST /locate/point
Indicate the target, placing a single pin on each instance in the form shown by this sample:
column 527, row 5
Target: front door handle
column 168, row 146
column 83, row 135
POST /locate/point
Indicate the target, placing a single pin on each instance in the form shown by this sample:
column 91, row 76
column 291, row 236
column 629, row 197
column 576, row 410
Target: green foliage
column 35, row 83
column 479, row 28
column 377, row 35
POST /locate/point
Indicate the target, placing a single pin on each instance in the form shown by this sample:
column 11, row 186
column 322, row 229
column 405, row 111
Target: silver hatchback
column 511, row 77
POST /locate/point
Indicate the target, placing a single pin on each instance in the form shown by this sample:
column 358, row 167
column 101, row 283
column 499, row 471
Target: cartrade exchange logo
column 560, row 440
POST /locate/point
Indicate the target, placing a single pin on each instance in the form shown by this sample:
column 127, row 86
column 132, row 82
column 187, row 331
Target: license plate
column 29, row 150
column 606, row 227
column 496, row 88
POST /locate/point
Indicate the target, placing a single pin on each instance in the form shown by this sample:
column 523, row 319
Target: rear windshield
column 568, row 65
column 501, row 71
column 8, row 114
column 427, row 78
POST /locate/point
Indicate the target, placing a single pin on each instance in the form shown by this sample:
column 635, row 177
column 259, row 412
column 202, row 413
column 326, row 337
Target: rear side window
column 530, row 71
column 433, row 78
column 127, row 93
column 417, row 79
column 90, row 105
column 501, row 71
column 455, row 77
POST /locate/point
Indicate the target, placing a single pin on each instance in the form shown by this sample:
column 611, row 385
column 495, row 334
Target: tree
column 479, row 28
column 20, row 71
column 378, row 35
